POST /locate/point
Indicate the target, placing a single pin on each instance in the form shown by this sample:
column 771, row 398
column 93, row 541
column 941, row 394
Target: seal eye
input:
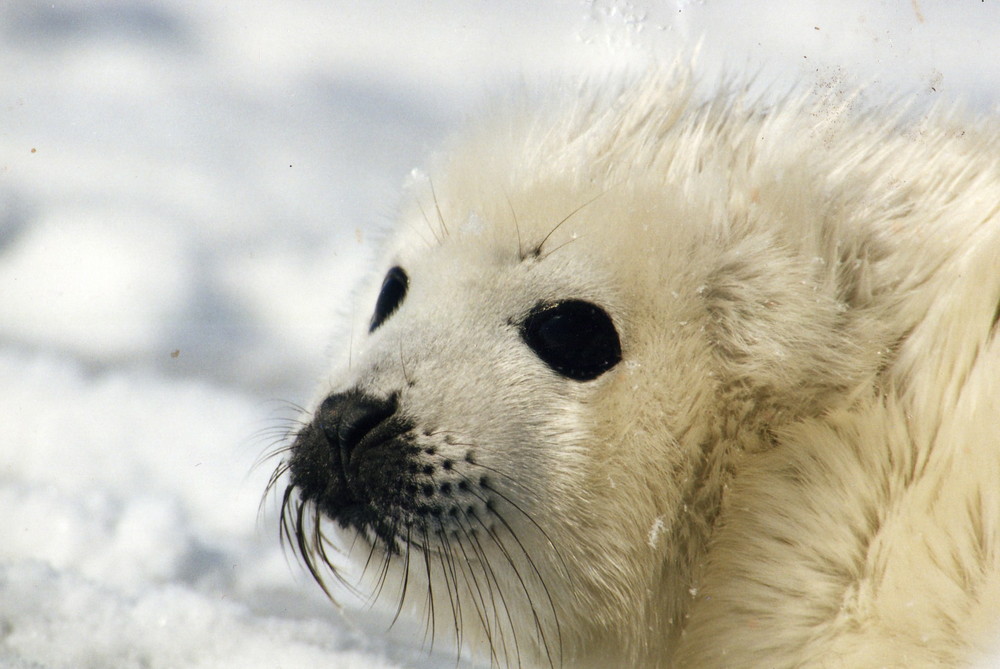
column 575, row 338
column 393, row 291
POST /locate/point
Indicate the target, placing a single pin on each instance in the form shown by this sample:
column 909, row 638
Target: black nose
column 350, row 418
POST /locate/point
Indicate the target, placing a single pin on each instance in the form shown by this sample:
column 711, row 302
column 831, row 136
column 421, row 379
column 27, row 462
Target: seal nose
column 347, row 418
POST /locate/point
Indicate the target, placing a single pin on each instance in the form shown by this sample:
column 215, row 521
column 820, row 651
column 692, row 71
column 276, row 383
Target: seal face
column 427, row 452
column 362, row 464
column 644, row 382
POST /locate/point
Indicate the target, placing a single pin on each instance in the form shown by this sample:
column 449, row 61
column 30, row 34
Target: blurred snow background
column 188, row 193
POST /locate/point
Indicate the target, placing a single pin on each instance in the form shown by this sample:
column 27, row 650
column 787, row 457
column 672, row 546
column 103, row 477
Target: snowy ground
column 189, row 191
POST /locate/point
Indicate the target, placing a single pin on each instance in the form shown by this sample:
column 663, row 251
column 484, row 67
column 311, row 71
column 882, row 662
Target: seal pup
column 651, row 380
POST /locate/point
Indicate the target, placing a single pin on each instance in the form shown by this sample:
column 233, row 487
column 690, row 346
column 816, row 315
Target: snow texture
column 189, row 192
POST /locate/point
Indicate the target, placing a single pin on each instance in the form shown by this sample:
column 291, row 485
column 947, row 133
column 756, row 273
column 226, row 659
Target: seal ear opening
column 393, row 292
column 577, row 339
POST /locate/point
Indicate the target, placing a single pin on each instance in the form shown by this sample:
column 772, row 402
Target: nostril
column 347, row 418
column 331, row 404
column 360, row 420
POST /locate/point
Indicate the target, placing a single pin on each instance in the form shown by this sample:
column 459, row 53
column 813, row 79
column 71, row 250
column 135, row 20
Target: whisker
column 451, row 583
column 402, row 364
column 552, row 544
column 517, row 228
column 530, row 562
column 484, row 560
column 481, row 607
column 527, row 591
column 437, row 207
column 406, row 578
column 430, row 623
column 272, row 483
column 372, row 550
column 538, row 248
column 489, row 578
column 430, row 226
column 564, row 244
column 303, row 547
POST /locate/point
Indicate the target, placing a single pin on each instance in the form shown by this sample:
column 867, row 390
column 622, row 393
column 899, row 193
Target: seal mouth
column 421, row 505
column 362, row 464
column 355, row 462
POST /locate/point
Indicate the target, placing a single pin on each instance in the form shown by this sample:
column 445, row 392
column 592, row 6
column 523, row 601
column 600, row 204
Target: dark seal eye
column 393, row 291
column 575, row 338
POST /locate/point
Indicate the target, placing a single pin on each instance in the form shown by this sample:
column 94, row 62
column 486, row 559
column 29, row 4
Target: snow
column 190, row 193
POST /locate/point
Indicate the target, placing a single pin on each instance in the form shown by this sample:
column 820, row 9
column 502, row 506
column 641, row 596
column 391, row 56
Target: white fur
column 797, row 461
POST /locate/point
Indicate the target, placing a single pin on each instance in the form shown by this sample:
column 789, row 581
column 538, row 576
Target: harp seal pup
column 658, row 380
